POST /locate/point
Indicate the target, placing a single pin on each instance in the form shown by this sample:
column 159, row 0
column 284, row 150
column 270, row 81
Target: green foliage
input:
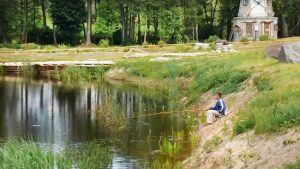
column 29, row 46
column 212, row 39
column 262, row 84
column 217, row 76
column 270, row 113
column 10, row 45
column 93, row 156
column 243, row 126
column 80, row 75
column 2, row 70
column 245, row 40
column 264, row 38
column 108, row 20
column 68, row 16
column 167, row 147
column 20, row 154
column 161, row 43
column 28, row 70
column 212, row 143
column 289, row 142
column 111, row 114
column 295, row 165
column 104, row 43
column 158, row 164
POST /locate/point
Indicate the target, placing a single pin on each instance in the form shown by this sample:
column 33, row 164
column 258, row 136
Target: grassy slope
column 274, row 109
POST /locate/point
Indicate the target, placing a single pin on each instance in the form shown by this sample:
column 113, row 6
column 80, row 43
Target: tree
column 43, row 4
column 68, row 17
column 10, row 17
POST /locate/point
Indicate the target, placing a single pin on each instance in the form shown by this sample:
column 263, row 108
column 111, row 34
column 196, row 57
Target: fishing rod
column 161, row 113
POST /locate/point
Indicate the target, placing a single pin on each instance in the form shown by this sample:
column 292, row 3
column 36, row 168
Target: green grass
column 20, row 154
column 295, row 165
column 80, row 75
column 167, row 147
column 276, row 108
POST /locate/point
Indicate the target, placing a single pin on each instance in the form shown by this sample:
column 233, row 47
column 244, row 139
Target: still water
column 53, row 115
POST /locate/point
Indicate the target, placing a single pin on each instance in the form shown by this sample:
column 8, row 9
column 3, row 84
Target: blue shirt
column 220, row 107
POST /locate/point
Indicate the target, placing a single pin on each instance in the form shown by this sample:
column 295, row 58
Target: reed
column 111, row 114
column 167, row 147
column 20, row 154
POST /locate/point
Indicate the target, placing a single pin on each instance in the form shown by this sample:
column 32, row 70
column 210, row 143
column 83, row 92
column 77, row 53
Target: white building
column 255, row 18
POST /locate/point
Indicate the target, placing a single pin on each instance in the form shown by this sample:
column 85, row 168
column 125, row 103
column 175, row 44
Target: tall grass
column 28, row 70
column 71, row 74
column 20, row 154
column 111, row 114
column 271, row 112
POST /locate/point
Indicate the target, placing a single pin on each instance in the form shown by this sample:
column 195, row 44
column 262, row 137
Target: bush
column 29, row 46
column 212, row 39
column 264, row 38
column 243, row 126
column 161, row 43
column 104, row 43
column 10, row 45
column 244, row 39
column 262, row 84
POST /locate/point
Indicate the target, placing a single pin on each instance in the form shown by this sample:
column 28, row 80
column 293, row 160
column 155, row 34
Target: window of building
column 245, row 2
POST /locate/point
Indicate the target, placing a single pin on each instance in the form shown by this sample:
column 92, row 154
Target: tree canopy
column 128, row 21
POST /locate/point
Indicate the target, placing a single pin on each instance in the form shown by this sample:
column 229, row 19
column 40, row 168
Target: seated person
column 218, row 110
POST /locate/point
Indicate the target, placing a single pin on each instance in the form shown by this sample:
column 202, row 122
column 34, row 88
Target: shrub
column 245, row 39
column 213, row 46
column 262, row 84
column 243, row 126
column 161, row 43
column 10, row 45
column 104, row 43
column 264, row 38
column 29, row 46
column 212, row 39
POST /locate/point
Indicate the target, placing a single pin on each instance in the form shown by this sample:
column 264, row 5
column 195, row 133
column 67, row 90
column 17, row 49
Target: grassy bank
column 20, row 154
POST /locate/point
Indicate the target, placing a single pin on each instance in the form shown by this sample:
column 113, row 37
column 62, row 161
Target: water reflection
column 55, row 114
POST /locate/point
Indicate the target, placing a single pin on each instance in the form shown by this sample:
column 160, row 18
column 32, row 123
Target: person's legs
column 210, row 116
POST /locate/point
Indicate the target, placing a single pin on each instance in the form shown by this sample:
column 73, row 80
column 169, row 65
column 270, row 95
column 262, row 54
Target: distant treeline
column 123, row 22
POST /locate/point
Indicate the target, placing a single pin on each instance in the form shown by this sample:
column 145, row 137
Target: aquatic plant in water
column 168, row 147
column 111, row 114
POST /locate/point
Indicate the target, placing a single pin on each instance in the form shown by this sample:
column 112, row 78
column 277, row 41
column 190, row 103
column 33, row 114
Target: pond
column 53, row 115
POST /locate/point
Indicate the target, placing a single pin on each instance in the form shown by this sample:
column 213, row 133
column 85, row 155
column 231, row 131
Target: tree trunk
column 123, row 19
column 139, row 30
column 89, row 22
column 54, row 35
column 44, row 13
column 146, row 31
column 24, row 32
column 284, row 28
column 132, row 28
column 84, row 30
column 197, row 32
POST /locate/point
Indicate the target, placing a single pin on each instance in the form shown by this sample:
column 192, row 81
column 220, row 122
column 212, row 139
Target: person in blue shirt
column 218, row 110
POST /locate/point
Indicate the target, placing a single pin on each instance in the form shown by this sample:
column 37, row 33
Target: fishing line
column 160, row 113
